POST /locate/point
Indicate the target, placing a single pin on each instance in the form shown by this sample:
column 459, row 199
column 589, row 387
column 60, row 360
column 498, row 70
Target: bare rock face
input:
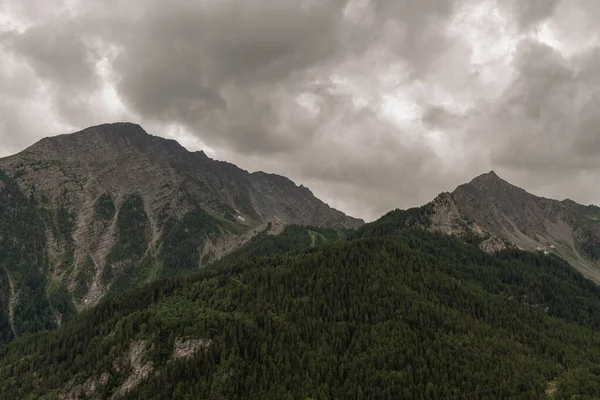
column 503, row 214
column 140, row 368
column 447, row 218
column 88, row 390
column 188, row 347
column 114, row 207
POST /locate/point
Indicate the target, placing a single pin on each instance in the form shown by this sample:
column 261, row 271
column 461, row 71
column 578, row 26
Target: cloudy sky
column 373, row 104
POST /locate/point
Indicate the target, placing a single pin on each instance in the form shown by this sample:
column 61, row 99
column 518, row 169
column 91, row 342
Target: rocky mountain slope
column 110, row 207
column 502, row 215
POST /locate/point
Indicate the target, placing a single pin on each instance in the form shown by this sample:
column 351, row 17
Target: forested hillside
column 28, row 302
column 412, row 315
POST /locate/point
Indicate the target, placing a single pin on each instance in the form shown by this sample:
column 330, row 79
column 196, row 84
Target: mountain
column 502, row 215
column 102, row 210
column 408, row 315
column 390, row 310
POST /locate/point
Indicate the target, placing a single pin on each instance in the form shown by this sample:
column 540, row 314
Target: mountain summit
column 506, row 215
column 502, row 215
column 111, row 207
column 122, row 159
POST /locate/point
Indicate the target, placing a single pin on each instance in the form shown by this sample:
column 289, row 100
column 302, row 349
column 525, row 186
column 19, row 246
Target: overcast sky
column 373, row 104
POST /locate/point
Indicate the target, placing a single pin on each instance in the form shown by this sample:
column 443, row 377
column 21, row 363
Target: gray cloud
column 226, row 68
column 56, row 55
column 550, row 114
column 437, row 117
column 544, row 132
column 374, row 104
column 533, row 11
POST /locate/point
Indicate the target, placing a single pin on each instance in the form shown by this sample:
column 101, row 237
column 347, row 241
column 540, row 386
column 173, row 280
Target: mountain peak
column 491, row 182
column 117, row 126
column 493, row 187
column 103, row 142
column 128, row 131
column 122, row 129
column 104, row 131
column 491, row 176
column 122, row 157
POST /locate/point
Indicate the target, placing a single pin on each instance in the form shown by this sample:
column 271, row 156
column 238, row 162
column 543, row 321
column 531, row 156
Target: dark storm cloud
column 232, row 71
column 50, row 61
column 551, row 113
column 544, row 132
column 533, row 11
column 436, row 117
column 422, row 25
column 55, row 55
column 374, row 104
column 226, row 69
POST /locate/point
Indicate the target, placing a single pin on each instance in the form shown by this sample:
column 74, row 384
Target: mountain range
column 148, row 271
column 109, row 208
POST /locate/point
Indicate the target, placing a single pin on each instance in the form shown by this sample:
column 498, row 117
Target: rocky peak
column 502, row 213
column 489, row 193
column 488, row 177
column 106, row 142
column 491, row 182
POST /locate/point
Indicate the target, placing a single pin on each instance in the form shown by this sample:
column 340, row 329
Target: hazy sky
column 373, row 104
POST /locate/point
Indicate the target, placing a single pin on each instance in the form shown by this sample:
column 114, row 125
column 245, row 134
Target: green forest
column 385, row 313
column 22, row 264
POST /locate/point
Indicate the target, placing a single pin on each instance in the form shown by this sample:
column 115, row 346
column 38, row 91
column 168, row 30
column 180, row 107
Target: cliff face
column 112, row 206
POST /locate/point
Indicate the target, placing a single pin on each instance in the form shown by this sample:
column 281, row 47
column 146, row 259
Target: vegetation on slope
column 266, row 244
column 396, row 221
column 415, row 315
column 132, row 225
column 183, row 240
column 22, row 263
column 104, row 207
